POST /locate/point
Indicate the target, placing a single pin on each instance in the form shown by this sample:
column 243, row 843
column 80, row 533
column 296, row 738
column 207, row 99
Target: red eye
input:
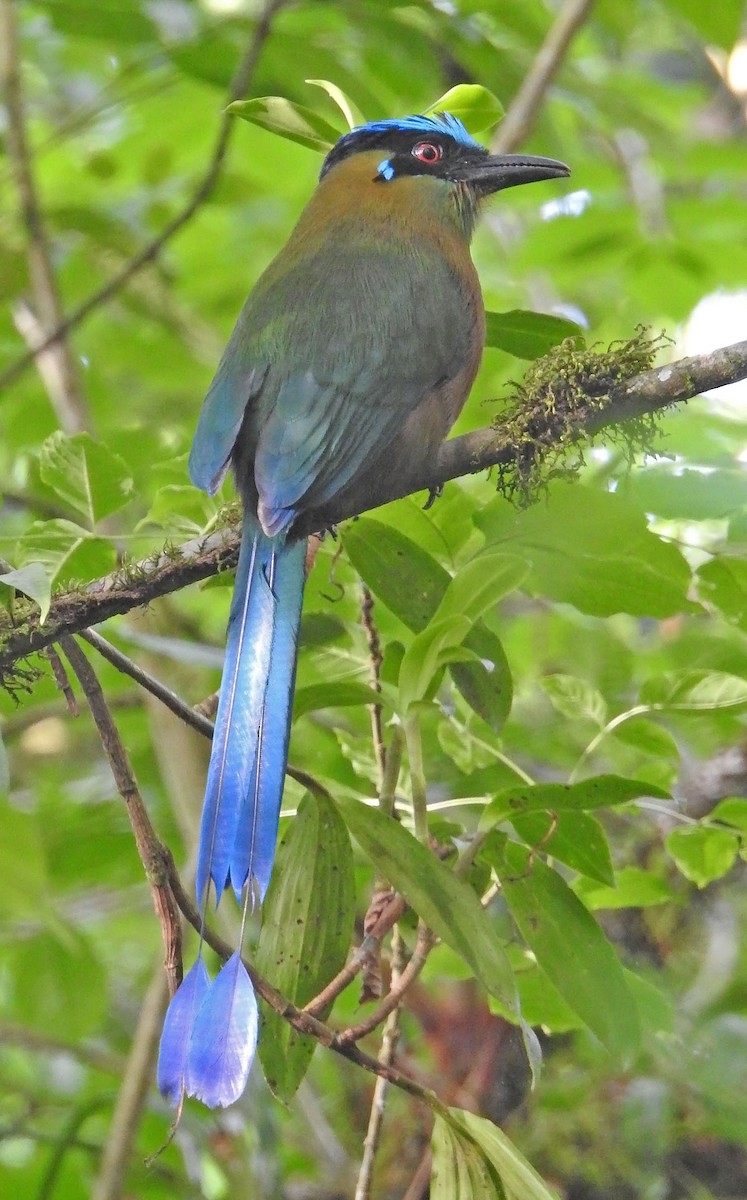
column 427, row 152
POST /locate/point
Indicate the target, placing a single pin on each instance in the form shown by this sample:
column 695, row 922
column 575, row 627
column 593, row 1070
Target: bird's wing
column 368, row 346
column 326, row 363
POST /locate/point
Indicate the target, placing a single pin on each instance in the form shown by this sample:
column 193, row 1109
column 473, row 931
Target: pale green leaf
column 347, row 107
column 575, row 698
column 703, row 853
column 34, row 581
column 515, row 1178
column 477, row 108
column 288, row 120
column 86, row 474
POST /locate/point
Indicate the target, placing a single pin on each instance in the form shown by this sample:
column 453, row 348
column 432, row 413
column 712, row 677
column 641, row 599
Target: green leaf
column 571, row 949
column 574, row 838
column 703, row 853
column 575, row 698
column 340, row 693
column 86, row 475
column 527, row 334
column 516, row 1178
column 446, row 903
column 412, row 584
column 34, row 581
column 592, row 549
column 427, row 653
column 307, row 924
column 732, row 811
column 347, row 107
column 695, row 691
column 600, row 791
column 476, row 107
column 460, row 1170
column 288, row 120
column 632, row 888
column 66, row 551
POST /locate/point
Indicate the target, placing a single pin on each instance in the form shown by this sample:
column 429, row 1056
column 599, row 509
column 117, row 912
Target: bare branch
column 239, row 86
column 138, row 584
column 148, row 846
column 58, row 364
column 521, row 114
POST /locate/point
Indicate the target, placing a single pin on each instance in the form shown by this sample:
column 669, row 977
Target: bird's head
column 438, row 148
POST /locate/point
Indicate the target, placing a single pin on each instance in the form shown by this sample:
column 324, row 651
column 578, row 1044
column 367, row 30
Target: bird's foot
column 433, row 495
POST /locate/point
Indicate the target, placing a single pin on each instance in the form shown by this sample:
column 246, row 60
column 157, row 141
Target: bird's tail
column 210, row 1030
column 247, row 763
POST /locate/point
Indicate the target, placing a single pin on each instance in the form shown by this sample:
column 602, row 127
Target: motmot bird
column 348, row 365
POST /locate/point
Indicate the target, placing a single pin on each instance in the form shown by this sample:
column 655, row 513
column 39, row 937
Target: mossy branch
column 565, row 400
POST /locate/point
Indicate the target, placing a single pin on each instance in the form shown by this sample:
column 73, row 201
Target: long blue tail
column 250, row 743
column 211, row 1028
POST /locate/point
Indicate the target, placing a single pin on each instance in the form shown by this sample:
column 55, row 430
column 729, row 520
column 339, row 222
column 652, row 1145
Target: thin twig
column 140, row 583
column 63, row 384
column 400, row 984
column 299, row 1018
column 133, row 1092
column 389, row 916
column 148, row 845
column 191, row 716
column 239, row 86
column 61, row 679
column 387, row 1054
column 169, row 698
column 522, row 111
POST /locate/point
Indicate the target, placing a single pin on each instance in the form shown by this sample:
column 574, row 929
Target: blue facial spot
column 385, row 169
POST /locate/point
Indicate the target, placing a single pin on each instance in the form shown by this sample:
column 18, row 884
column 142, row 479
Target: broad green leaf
column 412, row 584
column 722, row 582
column 460, row 1170
column 703, row 853
column 732, row 811
column 633, row 888
column 86, row 475
column 347, row 107
column 600, row 791
column 307, row 924
column 575, row 698
column 476, row 107
column 592, row 549
column 676, row 494
column 34, row 581
column 527, row 334
column 574, row 838
column 719, row 23
column 446, row 903
column 571, row 949
column 518, row 1179
column 695, row 691
column 66, row 551
column 288, row 120
column 340, row 693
